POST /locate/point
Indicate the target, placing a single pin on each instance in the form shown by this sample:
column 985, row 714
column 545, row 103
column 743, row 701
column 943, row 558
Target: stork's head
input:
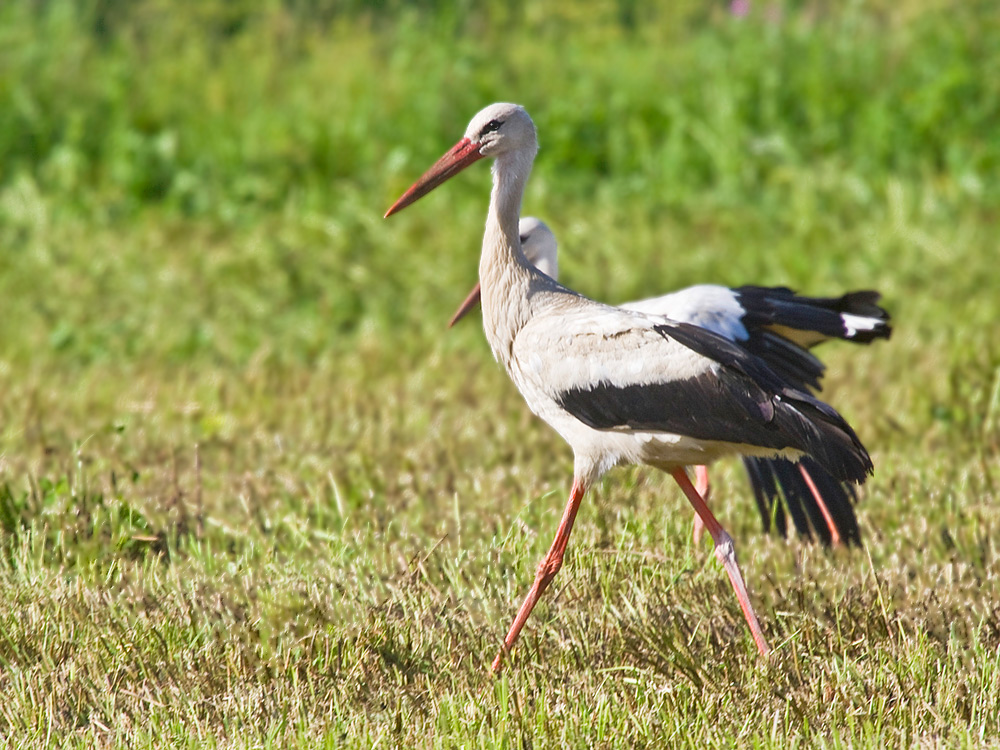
column 540, row 248
column 498, row 130
column 501, row 128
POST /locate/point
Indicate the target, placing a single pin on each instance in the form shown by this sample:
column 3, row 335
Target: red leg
column 834, row 533
column 547, row 570
column 702, row 488
column 727, row 556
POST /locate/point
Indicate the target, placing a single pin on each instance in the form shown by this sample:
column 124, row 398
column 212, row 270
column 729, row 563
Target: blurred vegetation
column 252, row 493
column 229, row 109
column 290, row 125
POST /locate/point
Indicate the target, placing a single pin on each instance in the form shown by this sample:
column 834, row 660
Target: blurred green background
column 233, row 427
column 228, row 162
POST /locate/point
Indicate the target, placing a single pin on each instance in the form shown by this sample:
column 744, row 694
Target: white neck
column 504, row 273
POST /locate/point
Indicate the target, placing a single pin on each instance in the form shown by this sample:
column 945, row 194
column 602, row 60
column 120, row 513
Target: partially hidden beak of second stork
column 463, row 309
column 457, row 158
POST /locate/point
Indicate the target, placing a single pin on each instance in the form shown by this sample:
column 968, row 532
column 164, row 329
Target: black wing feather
column 795, row 365
column 744, row 401
column 780, row 306
column 775, row 479
column 765, row 492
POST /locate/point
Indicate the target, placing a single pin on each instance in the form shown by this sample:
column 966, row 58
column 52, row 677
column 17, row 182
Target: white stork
column 778, row 325
column 620, row 386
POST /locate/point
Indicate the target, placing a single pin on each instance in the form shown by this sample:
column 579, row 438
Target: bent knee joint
column 547, row 569
column 724, row 549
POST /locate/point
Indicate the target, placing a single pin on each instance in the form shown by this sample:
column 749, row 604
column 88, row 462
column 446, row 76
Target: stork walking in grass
column 779, row 326
column 620, row 386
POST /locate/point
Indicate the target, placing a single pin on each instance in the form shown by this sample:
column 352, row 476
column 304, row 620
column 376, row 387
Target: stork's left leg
column 547, row 570
column 727, row 556
column 702, row 488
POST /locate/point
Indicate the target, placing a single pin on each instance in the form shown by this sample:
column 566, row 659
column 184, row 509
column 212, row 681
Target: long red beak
column 457, row 158
column 471, row 301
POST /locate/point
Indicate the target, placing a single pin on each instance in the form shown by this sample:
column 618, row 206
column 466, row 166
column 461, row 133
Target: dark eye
column 524, row 238
column 491, row 127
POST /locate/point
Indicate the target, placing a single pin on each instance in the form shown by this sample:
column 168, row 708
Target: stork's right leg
column 702, row 488
column 547, row 570
column 727, row 556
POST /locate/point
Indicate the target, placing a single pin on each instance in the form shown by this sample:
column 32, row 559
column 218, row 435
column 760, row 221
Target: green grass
column 252, row 492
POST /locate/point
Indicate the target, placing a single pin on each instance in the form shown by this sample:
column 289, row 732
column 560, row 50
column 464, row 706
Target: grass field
column 253, row 493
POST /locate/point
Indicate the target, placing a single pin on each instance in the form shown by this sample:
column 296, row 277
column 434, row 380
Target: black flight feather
column 743, row 402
